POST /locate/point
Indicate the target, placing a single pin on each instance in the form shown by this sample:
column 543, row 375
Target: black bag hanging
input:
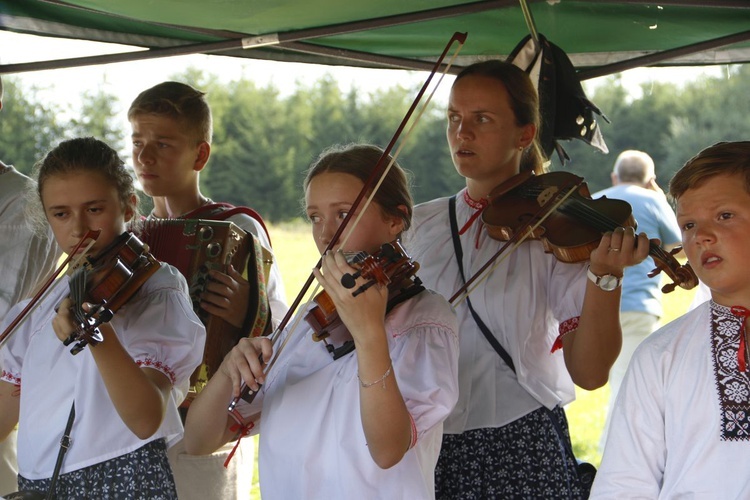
column 566, row 112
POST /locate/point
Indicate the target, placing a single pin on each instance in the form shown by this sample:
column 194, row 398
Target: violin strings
column 600, row 221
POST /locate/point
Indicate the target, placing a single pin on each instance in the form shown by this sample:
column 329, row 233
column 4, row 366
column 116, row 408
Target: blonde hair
column 180, row 102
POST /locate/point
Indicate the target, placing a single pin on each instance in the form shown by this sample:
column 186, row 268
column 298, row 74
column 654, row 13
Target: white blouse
column 312, row 444
column 157, row 327
column 527, row 301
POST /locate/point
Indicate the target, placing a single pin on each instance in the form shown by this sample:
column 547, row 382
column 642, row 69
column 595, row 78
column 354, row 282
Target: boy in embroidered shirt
column 681, row 423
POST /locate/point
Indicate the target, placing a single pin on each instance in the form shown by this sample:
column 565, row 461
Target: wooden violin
column 107, row 281
column 575, row 227
column 389, row 266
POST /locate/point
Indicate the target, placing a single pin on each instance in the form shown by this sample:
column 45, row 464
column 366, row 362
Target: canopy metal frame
column 300, row 40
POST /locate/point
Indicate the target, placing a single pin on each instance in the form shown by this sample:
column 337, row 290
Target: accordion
column 198, row 246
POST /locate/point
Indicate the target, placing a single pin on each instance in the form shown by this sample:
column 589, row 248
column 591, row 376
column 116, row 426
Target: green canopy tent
column 600, row 36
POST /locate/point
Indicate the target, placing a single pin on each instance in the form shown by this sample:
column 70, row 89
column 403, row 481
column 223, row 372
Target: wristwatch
column 608, row 282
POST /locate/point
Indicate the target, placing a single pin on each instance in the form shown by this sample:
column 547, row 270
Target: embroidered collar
column 475, row 204
column 732, row 383
column 478, row 207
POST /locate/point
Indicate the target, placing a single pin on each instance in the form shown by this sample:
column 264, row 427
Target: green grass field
column 296, row 255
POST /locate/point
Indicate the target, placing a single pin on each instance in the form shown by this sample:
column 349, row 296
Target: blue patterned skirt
column 143, row 473
column 524, row 459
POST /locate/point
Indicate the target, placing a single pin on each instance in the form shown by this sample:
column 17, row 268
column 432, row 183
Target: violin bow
column 91, row 235
column 374, row 180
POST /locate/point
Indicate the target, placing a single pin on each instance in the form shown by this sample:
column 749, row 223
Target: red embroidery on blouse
column 158, row 365
column 566, row 327
column 479, row 207
column 9, row 377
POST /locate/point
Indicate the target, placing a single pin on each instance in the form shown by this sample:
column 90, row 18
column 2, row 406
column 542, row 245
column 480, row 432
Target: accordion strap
column 223, row 211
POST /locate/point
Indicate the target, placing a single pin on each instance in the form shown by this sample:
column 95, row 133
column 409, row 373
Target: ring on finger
column 610, row 249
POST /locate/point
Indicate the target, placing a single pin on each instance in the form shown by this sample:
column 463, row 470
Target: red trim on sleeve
column 566, row 327
column 10, row 378
column 413, row 432
column 158, row 365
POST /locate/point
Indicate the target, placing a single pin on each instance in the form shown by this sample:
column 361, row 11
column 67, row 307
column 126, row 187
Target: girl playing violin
column 507, row 437
column 365, row 425
column 125, row 390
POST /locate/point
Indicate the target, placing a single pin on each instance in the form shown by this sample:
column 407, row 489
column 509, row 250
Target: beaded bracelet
column 378, row 381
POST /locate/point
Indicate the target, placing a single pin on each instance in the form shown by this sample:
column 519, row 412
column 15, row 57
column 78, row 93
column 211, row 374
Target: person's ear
column 204, row 151
column 528, row 132
column 130, row 207
column 397, row 223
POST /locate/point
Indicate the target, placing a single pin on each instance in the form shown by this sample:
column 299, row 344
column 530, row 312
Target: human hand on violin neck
column 617, row 250
column 363, row 313
column 64, row 323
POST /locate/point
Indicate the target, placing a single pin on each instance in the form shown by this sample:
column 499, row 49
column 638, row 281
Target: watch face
column 608, row 282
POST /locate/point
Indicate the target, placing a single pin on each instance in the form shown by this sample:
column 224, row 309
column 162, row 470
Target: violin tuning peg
column 349, row 280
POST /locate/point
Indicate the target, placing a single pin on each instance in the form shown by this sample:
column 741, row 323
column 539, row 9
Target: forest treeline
column 263, row 141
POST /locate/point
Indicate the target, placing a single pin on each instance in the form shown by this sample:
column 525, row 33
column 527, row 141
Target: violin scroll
column 681, row 275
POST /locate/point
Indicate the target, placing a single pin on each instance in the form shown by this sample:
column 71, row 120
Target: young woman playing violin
column 365, row 425
column 125, row 390
column 507, row 437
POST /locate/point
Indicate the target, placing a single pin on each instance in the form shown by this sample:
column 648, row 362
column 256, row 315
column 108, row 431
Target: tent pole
column 665, row 55
column 529, row 18
column 249, row 42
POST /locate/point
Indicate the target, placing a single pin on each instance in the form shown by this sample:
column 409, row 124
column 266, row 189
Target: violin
column 390, row 266
column 107, row 281
column 572, row 229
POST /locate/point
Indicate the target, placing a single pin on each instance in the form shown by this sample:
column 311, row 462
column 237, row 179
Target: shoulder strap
column 223, row 211
column 65, row 443
column 460, row 258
